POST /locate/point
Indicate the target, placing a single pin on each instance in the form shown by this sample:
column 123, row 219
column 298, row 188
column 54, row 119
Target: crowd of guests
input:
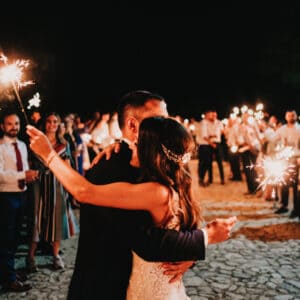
column 241, row 142
column 245, row 142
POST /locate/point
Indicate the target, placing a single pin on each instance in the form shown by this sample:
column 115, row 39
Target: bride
column 164, row 148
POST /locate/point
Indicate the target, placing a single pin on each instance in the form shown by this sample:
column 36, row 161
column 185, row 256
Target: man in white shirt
column 290, row 136
column 249, row 148
column 14, row 174
column 205, row 149
column 217, row 130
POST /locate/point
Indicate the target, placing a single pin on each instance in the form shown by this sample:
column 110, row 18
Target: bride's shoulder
column 161, row 191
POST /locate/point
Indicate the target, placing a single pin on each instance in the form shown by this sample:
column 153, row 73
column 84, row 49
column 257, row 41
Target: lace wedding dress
column 147, row 281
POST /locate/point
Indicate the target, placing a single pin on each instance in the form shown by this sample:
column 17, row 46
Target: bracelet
column 50, row 157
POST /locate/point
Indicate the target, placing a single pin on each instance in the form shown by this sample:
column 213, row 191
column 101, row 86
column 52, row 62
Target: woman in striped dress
column 53, row 216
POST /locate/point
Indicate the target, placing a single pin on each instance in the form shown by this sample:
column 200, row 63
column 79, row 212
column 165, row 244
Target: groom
column 107, row 235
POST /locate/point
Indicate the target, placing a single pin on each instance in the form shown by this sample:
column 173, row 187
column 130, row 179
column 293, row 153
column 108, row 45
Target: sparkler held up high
column 12, row 74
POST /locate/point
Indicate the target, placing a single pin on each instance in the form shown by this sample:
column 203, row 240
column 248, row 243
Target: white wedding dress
column 147, row 281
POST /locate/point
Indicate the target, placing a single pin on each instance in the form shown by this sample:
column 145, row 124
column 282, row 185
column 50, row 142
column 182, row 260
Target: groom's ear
column 133, row 125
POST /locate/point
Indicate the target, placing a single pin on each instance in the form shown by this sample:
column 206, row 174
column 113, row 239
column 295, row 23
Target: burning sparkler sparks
column 12, row 74
column 277, row 170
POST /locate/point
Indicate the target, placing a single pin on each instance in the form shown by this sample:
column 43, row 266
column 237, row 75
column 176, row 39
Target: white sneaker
column 58, row 264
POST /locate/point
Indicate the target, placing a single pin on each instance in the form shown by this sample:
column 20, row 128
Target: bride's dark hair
column 164, row 147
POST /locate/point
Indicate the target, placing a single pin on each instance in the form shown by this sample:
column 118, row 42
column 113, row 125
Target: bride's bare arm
column 149, row 196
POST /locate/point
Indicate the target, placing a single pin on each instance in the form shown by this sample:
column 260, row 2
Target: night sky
column 197, row 58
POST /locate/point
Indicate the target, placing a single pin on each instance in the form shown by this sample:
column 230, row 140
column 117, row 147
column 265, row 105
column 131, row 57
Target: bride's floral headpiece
column 178, row 158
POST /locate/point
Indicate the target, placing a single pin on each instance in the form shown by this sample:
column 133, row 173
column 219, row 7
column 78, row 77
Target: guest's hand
column 219, row 229
column 31, row 175
column 39, row 143
column 176, row 269
column 107, row 151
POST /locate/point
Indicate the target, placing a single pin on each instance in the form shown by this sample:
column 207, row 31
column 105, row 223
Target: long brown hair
column 163, row 146
column 59, row 137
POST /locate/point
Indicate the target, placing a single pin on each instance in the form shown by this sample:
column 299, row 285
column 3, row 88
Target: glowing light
column 233, row 116
column 259, row 106
column 236, row 110
column 3, row 58
column 234, row 149
column 225, row 121
column 244, row 108
column 251, row 120
column 14, row 72
column 192, row 127
column 259, row 115
column 284, row 152
column 250, row 112
column 277, row 170
column 34, row 101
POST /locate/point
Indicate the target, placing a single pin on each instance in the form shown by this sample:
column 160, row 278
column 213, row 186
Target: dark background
column 197, row 57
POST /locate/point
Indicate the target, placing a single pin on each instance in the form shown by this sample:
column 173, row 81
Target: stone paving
column 245, row 269
column 240, row 268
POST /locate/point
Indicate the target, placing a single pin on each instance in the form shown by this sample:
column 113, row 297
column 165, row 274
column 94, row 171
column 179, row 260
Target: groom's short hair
column 134, row 99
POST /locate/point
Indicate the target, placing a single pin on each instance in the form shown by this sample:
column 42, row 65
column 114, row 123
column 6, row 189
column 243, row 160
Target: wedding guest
column 289, row 134
column 54, row 219
column 216, row 131
column 249, row 149
column 233, row 136
column 14, row 174
column 205, row 150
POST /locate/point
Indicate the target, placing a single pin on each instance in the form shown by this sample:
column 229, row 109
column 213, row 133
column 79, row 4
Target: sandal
column 58, row 264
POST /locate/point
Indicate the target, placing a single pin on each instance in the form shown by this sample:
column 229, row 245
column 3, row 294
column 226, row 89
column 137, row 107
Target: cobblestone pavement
column 260, row 266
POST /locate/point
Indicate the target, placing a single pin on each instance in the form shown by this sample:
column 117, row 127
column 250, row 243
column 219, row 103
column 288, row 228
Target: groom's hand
column 219, row 229
column 176, row 269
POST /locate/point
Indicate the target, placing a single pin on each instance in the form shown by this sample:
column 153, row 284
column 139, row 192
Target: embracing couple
column 137, row 208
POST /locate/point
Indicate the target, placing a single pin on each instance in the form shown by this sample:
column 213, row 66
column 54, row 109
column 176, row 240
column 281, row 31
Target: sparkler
column 234, row 149
column 277, row 170
column 13, row 74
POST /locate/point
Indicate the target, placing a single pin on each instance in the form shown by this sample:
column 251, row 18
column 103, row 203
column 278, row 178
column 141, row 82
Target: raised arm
column 150, row 196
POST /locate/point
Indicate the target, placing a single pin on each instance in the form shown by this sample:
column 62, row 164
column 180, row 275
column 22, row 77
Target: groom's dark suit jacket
column 107, row 236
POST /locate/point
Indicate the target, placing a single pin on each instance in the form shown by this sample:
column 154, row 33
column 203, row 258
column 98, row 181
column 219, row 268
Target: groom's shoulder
column 107, row 169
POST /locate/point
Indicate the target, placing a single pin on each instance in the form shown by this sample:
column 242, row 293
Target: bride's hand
column 39, row 143
column 107, row 152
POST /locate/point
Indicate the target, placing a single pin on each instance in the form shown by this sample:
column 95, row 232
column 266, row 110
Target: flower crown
column 178, row 158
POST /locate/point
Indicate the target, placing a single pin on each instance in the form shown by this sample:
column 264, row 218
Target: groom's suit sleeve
column 157, row 244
